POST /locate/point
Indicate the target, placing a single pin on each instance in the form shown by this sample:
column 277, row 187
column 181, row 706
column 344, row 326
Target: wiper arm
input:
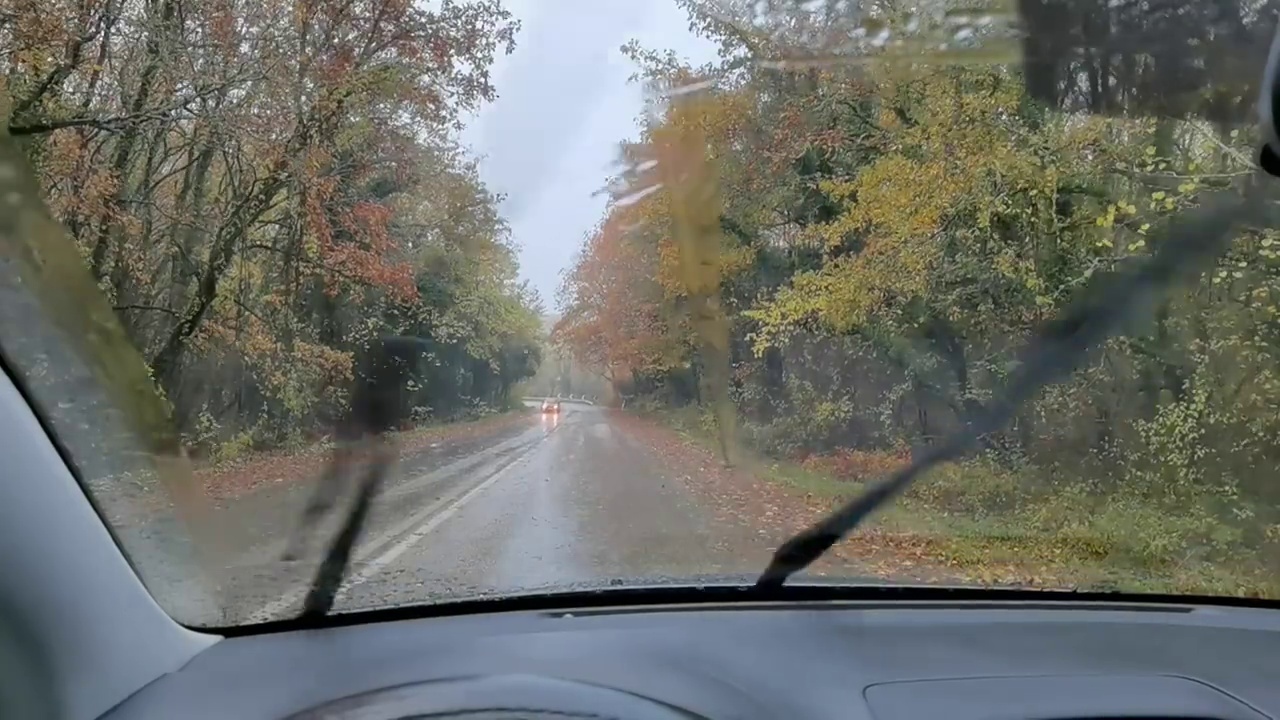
column 333, row 568
column 378, row 385
column 1099, row 310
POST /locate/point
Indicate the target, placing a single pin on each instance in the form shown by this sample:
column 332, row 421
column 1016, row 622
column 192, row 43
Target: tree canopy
column 262, row 188
column 848, row 239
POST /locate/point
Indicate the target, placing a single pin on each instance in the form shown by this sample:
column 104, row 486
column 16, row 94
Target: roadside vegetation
column 968, row 522
column 826, row 269
column 259, row 189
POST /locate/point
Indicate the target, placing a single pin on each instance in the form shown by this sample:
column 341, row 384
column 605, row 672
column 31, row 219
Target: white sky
column 563, row 105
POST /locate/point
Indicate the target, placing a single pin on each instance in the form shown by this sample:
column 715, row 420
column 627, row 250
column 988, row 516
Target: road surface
column 551, row 502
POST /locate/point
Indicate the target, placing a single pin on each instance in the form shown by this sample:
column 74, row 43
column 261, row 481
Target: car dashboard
column 849, row 660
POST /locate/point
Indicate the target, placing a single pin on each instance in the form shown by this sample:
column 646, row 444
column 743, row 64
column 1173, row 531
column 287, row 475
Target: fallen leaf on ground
column 776, row 512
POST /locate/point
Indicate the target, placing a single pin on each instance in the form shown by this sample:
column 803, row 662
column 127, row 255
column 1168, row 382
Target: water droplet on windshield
column 638, row 195
column 690, row 88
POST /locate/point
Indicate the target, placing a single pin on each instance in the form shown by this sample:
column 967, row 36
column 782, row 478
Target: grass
column 984, row 522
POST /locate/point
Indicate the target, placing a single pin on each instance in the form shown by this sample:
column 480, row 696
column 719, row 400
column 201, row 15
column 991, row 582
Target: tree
column 259, row 188
column 883, row 224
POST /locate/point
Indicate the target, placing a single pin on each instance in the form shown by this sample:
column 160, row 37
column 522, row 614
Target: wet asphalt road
column 554, row 502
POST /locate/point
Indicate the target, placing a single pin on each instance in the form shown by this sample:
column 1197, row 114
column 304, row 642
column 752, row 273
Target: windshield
column 342, row 305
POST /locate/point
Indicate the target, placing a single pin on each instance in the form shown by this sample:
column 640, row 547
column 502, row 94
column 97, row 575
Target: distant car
column 551, row 406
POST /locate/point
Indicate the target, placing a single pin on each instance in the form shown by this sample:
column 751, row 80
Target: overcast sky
column 564, row 103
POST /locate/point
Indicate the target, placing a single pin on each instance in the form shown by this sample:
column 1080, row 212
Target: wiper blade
column 333, row 568
column 379, row 382
column 1100, row 309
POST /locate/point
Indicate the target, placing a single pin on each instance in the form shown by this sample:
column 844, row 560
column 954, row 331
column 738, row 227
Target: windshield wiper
column 1100, row 309
column 363, row 436
column 333, row 567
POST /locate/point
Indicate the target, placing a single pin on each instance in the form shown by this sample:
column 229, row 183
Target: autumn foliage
column 887, row 220
column 616, row 322
column 261, row 187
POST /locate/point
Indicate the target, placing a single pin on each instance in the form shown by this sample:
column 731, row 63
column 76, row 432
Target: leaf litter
column 744, row 496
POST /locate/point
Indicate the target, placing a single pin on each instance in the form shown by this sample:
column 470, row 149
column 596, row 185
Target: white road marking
column 432, row 521
column 408, row 532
